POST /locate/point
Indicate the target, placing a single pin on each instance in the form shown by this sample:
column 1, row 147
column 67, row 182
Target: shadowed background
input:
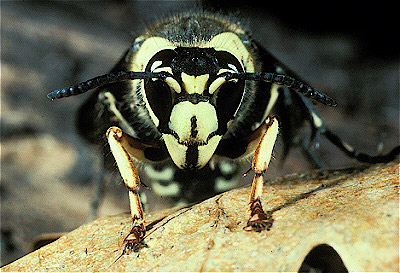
column 47, row 171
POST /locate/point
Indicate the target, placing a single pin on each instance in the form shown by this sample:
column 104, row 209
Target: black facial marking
column 158, row 93
column 193, row 130
column 193, row 98
column 192, row 157
column 194, row 61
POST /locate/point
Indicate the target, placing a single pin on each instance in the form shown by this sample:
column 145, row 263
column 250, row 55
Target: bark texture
column 353, row 211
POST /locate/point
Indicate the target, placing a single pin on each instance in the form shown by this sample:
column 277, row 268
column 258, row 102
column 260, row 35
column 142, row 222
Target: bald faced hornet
column 193, row 90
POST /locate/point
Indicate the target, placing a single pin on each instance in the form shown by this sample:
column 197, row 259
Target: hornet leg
column 259, row 220
column 117, row 140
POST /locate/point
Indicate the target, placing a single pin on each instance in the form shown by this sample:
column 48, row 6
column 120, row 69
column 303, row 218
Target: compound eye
column 162, row 59
column 158, row 92
column 228, row 61
column 228, row 99
column 229, row 94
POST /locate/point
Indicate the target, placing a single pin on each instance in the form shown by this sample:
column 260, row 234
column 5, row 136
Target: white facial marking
column 216, row 84
column 162, row 69
column 207, row 151
column 155, row 65
column 206, row 120
column 147, row 50
column 173, row 84
column 234, row 68
column 229, row 41
column 169, row 80
column 192, row 124
column 194, row 84
column 177, row 151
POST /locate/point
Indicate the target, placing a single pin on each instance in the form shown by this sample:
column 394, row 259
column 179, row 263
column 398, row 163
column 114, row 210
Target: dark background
column 348, row 50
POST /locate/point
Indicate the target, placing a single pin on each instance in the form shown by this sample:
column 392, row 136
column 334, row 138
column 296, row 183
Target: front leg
column 117, row 140
column 259, row 220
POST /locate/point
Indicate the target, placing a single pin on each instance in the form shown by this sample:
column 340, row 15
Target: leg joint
column 115, row 131
column 133, row 190
column 258, row 174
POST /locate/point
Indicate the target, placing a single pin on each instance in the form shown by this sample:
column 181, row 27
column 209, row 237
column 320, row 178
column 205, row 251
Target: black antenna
column 103, row 80
column 278, row 79
column 283, row 80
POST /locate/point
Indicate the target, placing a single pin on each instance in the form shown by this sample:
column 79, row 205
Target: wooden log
column 349, row 217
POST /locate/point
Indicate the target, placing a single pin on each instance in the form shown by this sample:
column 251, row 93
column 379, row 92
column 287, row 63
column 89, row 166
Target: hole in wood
column 323, row 258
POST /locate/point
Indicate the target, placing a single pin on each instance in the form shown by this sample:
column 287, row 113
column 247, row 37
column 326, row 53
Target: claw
column 134, row 244
column 135, row 239
column 259, row 220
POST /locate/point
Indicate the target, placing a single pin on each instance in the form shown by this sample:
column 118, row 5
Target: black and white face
column 194, row 106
